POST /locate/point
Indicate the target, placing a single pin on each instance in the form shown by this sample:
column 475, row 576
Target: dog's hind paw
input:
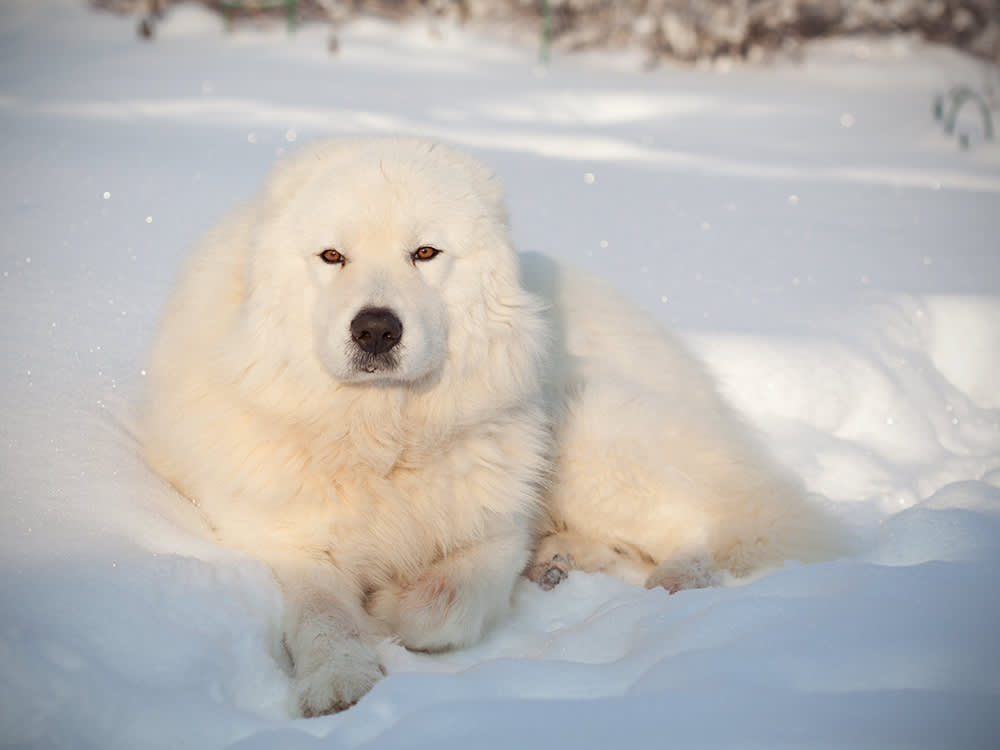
column 680, row 574
column 550, row 573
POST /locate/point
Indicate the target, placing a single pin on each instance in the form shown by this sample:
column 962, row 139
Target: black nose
column 376, row 329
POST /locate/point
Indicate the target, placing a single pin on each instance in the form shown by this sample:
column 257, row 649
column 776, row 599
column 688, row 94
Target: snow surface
column 830, row 252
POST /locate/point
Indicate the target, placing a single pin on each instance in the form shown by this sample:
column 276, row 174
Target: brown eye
column 332, row 257
column 424, row 253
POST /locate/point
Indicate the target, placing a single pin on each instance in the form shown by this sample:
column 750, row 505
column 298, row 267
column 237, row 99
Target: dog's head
column 385, row 259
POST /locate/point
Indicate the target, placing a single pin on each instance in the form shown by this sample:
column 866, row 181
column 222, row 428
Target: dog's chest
column 377, row 520
column 384, row 527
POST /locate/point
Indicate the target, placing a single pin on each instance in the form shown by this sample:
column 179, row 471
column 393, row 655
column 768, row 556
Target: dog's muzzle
column 376, row 331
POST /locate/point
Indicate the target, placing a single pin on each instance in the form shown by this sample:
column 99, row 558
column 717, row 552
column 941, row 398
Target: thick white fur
column 408, row 499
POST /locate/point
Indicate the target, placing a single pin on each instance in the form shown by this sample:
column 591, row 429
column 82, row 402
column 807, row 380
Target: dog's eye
column 332, row 257
column 424, row 253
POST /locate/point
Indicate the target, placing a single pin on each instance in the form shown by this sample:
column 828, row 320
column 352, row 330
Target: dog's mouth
column 372, row 364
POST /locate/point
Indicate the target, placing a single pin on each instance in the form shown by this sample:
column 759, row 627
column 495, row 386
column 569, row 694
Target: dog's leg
column 325, row 638
column 454, row 601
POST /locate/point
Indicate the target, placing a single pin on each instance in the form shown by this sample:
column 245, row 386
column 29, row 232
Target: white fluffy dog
column 359, row 382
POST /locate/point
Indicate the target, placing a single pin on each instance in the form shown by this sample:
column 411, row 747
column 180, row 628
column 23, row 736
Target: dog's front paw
column 432, row 613
column 337, row 680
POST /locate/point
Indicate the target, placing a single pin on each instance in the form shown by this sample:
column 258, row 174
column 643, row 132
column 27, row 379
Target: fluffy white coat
column 527, row 418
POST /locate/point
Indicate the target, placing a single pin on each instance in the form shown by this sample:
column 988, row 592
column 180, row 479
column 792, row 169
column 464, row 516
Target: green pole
column 543, row 52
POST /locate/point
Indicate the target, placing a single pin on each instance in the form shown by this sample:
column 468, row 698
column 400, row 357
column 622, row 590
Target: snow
column 808, row 226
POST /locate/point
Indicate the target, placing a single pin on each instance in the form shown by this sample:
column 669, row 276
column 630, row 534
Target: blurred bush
column 686, row 30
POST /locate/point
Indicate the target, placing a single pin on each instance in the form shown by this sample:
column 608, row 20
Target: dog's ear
column 515, row 318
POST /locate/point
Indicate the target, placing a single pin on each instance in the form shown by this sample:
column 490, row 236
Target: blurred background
column 685, row 30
